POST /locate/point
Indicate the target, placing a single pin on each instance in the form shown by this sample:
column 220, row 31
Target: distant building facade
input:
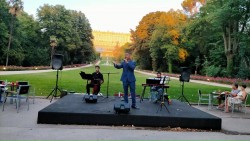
column 104, row 42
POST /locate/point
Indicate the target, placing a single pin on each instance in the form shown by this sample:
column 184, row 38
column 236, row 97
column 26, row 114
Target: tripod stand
column 162, row 97
column 162, row 104
column 53, row 93
column 182, row 94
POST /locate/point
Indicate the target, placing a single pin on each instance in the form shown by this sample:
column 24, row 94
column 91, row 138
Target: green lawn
column 71, row 81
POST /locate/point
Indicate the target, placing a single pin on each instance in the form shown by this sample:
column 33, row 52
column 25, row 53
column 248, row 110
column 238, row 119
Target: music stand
column 86, row 76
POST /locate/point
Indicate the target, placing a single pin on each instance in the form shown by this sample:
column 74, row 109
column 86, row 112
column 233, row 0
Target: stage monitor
column 122, row 108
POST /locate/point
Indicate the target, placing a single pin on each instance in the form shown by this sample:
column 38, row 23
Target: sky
column 109, row 15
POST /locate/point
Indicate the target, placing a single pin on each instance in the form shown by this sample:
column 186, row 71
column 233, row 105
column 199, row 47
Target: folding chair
column 17, row 96
column 19, row 83
column 32, row 90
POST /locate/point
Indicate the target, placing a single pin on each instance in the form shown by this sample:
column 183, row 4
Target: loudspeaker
column 185, row 74
column 57, row 62
column 122, row 108
column 90, row 98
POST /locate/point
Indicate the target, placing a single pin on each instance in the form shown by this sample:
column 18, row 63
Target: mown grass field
column 71, row 81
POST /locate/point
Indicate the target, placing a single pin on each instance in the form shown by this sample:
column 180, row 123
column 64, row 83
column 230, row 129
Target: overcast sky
column 109, row 15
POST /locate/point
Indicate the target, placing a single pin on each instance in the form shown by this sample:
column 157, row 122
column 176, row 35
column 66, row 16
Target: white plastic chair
column 203, row 97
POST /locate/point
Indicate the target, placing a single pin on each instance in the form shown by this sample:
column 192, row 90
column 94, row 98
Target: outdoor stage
column 72, row 110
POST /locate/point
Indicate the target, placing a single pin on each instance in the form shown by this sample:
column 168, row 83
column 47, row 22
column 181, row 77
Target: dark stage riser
column 72, row 110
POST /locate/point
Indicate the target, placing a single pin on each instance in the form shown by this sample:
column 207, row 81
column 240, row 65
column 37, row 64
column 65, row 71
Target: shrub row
column 20, row 68
column 223, row 80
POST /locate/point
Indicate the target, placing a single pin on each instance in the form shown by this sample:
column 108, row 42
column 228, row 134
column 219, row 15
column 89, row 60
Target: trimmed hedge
column 223, row 80
column 20, row 68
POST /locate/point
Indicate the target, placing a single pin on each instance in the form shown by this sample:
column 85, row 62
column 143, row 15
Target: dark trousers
column 96, row 88
column 131, row 85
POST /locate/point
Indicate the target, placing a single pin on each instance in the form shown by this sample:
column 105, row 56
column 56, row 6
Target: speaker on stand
column 184, row 77
column 57, row 64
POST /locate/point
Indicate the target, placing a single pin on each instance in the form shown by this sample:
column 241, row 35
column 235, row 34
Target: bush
column 213, row 71
column 223, row 80
column 20, row 68
column 244, row 73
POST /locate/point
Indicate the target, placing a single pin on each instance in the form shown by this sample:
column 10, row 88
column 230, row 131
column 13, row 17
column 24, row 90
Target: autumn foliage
column 158, row 38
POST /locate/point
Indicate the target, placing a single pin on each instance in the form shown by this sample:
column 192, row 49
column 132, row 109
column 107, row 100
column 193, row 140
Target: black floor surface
column 72, row 110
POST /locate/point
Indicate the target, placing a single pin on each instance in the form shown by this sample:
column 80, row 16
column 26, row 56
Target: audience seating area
column 14, row 92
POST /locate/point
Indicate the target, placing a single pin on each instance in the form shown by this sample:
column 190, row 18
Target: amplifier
column 122, row 108
column 90, row 98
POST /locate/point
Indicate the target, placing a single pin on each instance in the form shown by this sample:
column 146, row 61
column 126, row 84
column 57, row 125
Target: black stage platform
column 72, row 110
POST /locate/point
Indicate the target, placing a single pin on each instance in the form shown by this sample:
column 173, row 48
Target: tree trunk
column 170, row 66
column 231, row 44
column 51, row 55
column 228, row 47
column 231, row 40
column 10, row 39
column 154, row 64
column 230, row 58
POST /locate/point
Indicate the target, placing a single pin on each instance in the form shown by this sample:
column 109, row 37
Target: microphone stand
column 108, row 73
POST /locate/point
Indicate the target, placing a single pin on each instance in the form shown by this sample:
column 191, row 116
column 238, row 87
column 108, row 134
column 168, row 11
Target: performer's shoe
column 135, row 107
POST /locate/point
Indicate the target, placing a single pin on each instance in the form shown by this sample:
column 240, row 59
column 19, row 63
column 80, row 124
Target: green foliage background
column 30, row 44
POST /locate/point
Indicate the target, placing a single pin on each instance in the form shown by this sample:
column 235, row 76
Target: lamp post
column 53, row 44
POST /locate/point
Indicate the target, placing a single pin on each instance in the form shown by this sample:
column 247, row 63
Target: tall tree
column 71, row 28
column 141, row 39
column 119, row 51
column 15, row 8
column 27, row 43
column 166, row 42
column 4, row 26
column 192, row 6
column 232, row 18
